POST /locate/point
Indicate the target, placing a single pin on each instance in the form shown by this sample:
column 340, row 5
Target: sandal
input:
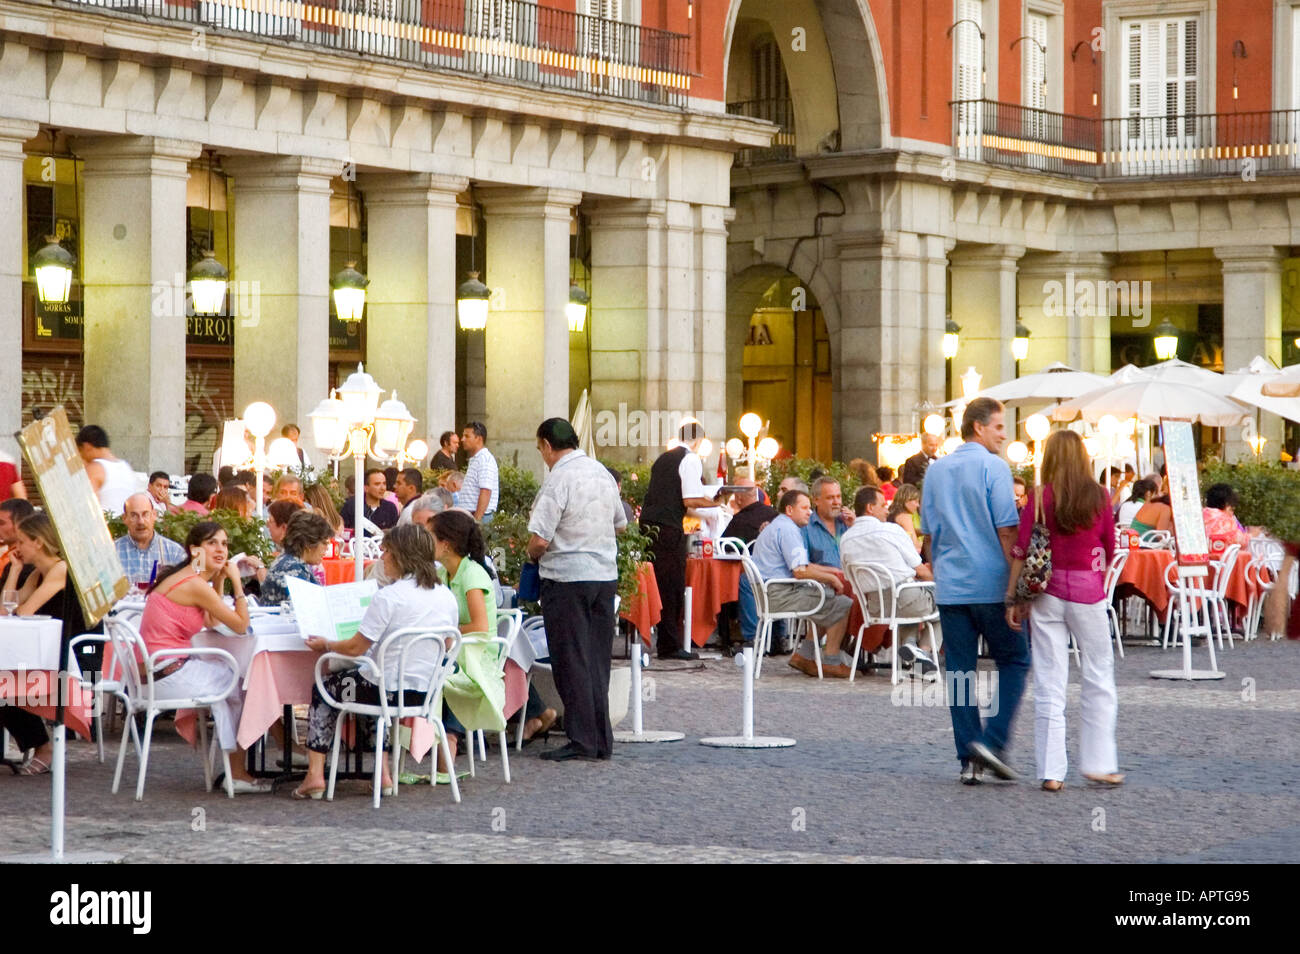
column 313, row 793
column 1113, row 779
column 34, row 766
column 540, row 723
column 1053, row 785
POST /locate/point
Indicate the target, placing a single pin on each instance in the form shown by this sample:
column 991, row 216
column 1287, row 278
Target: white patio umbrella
column 1180, row 372
column 1277, row 393
column 582, row 424
column 1151, row 399
column 1127, row 375
column 1056, row 382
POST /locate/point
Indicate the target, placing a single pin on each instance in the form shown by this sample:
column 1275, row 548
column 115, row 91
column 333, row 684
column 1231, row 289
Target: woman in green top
column 475, row 694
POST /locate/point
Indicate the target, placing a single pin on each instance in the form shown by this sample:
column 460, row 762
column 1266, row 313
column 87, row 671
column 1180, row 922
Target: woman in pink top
column 1081, row 530
column 185, row 599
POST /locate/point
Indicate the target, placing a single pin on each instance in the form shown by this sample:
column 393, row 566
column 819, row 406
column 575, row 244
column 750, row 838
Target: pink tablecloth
column 34, row 691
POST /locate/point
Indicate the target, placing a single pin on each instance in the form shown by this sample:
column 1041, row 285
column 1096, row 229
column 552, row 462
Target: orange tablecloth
column 338, row 570
column 1144, row 572
column 712, row 582
column 36, row 691
column 644, row 609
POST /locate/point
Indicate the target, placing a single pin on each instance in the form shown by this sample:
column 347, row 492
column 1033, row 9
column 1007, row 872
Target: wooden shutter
column 970, row 52
column 1033, row 62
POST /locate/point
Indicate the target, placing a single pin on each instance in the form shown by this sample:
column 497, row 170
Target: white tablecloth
column 31, row 644
column 269, row 634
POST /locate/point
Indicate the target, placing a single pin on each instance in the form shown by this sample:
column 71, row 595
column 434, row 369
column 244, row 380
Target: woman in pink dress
column 185, row 599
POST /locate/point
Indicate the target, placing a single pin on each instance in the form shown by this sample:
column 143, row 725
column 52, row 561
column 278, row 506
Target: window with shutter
column 604, row 38
column 1033, row 63
column 1295, row 58
column 1162, row 78
column 969, row 76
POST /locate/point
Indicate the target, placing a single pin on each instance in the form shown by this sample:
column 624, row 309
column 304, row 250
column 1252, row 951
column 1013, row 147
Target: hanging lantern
column 53, row 267
column 472, row 298
column 208, row 284
column 1020, row 343
column 951, row 331
column 349, row 293
column 576, row 309
column 1166, row 340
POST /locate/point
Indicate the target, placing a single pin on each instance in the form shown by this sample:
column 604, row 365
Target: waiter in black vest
column 676, row 485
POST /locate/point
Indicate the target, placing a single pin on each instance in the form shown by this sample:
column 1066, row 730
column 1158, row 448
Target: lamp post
column 754, row 451
column 259, row 418
column 355, row 423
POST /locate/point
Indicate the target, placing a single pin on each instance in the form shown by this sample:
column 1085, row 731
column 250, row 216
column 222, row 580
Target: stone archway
column 839, row 97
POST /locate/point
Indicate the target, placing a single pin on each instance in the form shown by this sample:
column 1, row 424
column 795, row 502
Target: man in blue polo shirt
column 828, row 522
column 969, row 512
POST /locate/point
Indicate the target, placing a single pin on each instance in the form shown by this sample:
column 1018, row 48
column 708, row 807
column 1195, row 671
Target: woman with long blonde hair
column 902, row 510
column 1081, row 532
column 323, row 504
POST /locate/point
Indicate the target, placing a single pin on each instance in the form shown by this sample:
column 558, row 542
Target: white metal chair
column 1263, row 570
column 139, row 696
column 109, row 685
column 444, row 645
column 1113, row 573
column 528, row 625
column 1220, row 572
column 1156, row 540
column 510, row 621
column 875, row 578
column 766, row 616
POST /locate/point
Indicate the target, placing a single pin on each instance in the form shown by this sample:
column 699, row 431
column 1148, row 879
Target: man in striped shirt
column 481, row 489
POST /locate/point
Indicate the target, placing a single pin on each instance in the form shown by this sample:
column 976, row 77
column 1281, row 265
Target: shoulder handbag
column 530, row 583
column 1037, row 569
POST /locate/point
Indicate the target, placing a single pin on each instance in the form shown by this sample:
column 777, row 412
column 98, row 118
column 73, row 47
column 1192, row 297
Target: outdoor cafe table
column 713, row 582
column 644, row 609
column 29, row 670
column 1144, row 575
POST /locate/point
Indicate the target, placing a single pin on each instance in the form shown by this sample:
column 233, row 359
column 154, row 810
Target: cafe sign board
column 1184, row 492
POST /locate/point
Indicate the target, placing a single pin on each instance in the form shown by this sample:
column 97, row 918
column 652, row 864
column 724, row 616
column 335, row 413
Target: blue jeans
column 962, row 627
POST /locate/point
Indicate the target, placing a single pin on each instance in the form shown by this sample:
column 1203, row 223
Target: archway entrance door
column 787, row 369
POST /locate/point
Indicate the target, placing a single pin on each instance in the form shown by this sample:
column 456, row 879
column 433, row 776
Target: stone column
column 627, row 289
column 527, row 338
column 710, row 399
column 13, row 134
column 411, row 306
column 1252, row 325
column 282, row 209
column 888, row 353
column 134, row 272
column 1065, row 304
column 984, row 304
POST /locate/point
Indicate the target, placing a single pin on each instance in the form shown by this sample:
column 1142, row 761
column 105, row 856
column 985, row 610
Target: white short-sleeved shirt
column 577, row 511
column 403, row 604
column 877, row 541
column 482, row 472
column 691, row 473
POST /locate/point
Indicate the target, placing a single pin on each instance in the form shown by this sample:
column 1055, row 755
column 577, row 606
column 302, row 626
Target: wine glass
column 9, row 600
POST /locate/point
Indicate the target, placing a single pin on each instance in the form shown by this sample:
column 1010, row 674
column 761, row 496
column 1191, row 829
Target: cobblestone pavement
column 1212, row 776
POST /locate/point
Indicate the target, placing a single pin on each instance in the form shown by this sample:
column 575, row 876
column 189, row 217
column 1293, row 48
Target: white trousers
column 1051, row 621
column 206, row 677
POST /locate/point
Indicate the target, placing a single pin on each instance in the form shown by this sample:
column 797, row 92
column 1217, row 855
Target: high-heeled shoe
column 1052, row 785
column 543, row 728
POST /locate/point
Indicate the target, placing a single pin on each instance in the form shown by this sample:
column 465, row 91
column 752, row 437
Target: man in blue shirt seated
column 827, row 524
column 780, row 553
column 144, row 551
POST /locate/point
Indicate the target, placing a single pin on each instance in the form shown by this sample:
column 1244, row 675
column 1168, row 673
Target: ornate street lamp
column 208, row 277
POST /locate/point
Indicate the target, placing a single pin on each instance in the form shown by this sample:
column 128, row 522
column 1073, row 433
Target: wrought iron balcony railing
column 779, row 111
column 513, row 40
column 1197, row 145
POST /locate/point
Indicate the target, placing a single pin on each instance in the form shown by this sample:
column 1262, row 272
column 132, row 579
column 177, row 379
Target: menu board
column 74, row 510
column 1184, row 492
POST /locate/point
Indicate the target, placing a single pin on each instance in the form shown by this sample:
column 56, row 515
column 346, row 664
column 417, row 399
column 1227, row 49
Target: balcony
column 1193, row 146
column 779, row 111
column 512, row 40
